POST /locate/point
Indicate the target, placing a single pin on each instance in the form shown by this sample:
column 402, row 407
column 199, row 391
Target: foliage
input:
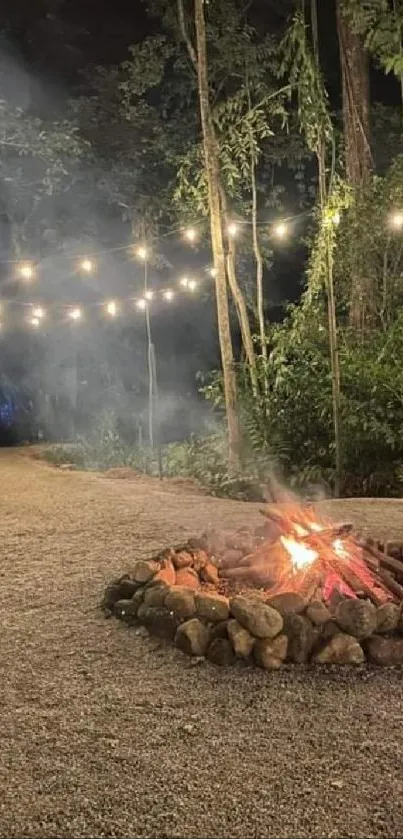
column 380, row 23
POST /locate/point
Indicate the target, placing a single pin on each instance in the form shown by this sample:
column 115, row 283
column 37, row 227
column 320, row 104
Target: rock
column 241, row 640
column 231, row 559
column 187, row 578
column 138, row 597
column 219, row 630
column 124, row 610
column 166, row 574
column 181, row 601
column 111, row 596
column 341, row 649
column 158, row 620
column 220, row 652
column 197, row 543
column 209, row 573
column 200, row 559
column 270, row 653
column 127, row 589
column 288, row 603
column 259, row 619
column 387, row 652
column 301, row 638
column 144, row 570
column 182, row 559
column 193, row 637
column 212, row 608
column 155, row 593
column 356, row 617
column 328, row 630
column 387, row 617
column 318, row 613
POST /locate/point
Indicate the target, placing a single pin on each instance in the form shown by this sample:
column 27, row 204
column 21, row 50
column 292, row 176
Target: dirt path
column 107, row 733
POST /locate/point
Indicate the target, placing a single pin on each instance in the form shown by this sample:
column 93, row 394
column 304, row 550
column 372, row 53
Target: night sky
column 50, row 43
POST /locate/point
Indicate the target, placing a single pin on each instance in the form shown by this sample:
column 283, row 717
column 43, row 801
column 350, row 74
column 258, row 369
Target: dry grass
column 107, row 733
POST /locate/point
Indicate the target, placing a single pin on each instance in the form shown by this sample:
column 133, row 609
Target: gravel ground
column 107, row 733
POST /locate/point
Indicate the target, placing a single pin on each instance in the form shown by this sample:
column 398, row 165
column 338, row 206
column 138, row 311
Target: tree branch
column 185, row 35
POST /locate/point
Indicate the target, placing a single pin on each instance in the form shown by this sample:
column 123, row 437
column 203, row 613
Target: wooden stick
column 388, row 562
column 391, row 584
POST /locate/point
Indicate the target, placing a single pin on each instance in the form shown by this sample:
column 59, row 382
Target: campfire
column 297, row 588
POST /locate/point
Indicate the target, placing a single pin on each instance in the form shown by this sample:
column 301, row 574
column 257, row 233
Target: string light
column 149, row 294
column 190, row 234
column 213, row 272
column 396, row 220
column 38, row 312
column 232, row 229
column 141, row 304
column 192, row 285
column 87, row 265
column 26, row 271
column 280, row 230
column 111, row 308
column 35, row 322
column 75, row 314
column 168, row 294
column 142, row 252
column 184, row 282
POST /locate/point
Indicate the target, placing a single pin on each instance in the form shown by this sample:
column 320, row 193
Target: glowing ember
column 301, row 556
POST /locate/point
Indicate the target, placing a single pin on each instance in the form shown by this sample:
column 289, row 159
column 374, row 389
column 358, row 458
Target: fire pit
column 298, row 588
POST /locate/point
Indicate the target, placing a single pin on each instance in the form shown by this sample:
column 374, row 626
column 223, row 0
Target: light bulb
column 232, row 229
column 336, row 218
column 190, row 234
column 34, row 322
column 87, row 265
column 168, row 294
column 111, row 308
column 142, row 252
column 38, row 312
column 75, row 314
column 213, row 272
column 26, row 270
column 280, row 230
column 141, row 304
column 192, row 285
column 149, row 294
column 184, row 282
column 396, row 220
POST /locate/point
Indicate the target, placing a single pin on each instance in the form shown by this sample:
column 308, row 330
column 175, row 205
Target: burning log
column 387, row 562
column 391, row 583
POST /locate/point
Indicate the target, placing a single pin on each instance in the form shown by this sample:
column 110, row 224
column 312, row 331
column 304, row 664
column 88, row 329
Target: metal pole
column 149, row 361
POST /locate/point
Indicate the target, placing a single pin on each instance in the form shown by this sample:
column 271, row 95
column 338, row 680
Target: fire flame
column 301, row 555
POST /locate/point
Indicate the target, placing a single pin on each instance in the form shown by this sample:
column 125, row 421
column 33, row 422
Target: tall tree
column 354, row 62
column 212, row 170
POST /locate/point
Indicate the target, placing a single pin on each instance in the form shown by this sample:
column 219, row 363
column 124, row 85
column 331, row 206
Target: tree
column 212, row 168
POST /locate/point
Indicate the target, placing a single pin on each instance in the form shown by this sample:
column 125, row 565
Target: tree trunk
column 354, row 62
column 331, row 302
column 259, row 262
column 211, row 161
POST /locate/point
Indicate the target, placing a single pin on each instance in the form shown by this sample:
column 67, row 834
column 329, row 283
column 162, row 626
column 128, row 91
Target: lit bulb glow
column 192, row 285
column 38, row 312
column 168, row 294
column 142, row 252
column 34, row 322
column 26, row 271
column 280, row 230
column 87, row 265
column 232, row 229
column 213, row 272
column 397, row 220
column 75, row 314
column 111, row 308
column 336, row 218
column 190, row 234
column 149, row 294
column 141, row 304
column 184, row 282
